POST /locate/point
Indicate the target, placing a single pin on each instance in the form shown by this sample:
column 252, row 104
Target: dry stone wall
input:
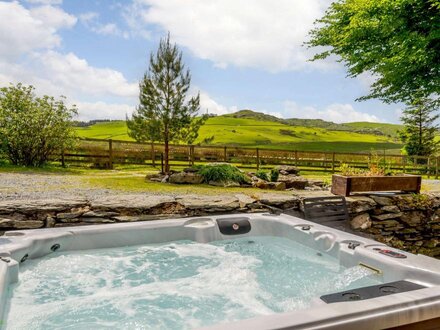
column 408, row 222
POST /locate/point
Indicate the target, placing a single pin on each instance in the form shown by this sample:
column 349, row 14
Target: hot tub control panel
column 371, row 291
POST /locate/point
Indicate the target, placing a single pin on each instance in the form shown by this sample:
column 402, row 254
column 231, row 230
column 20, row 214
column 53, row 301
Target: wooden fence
column 106, row 153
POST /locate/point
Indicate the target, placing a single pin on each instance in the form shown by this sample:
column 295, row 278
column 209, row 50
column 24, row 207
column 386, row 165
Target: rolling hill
column 252, row 129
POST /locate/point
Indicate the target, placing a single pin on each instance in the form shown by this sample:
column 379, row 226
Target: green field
column 261, row 133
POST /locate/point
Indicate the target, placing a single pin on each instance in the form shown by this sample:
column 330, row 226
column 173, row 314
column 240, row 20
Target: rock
column 261, row 184
column 432, row 243
column 144, row 217
column 28, row 224
column 245, row 200
column 97, row 220
column 413, row 218
column 6, row 223
column 186, row 178
column 282, row 201
column 197, row 204
column 361, row 221
column 381, row 200
column 155, row 179
column 293, row 182
column 360, row 204
column 66, row 217
column 391, row 223
column 271, row 185
column 387, row 216
column 27, row 207
column 130, row 203
column 224, row 184
column 93, row 214
column 407, row 231
column 50, row 222
column 277, row 185
column 391, row 209
column 165, row 179
column 288, row 169
column 316, row 183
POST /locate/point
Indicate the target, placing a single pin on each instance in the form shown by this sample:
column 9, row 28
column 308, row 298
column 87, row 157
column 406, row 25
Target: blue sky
column 244, row 54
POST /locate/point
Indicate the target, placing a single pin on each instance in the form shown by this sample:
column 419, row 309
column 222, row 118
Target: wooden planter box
column 345, row 185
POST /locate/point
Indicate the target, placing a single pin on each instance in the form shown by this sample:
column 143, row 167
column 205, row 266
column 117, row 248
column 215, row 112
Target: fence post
column 63, row 164
column 110, row 154
column 153, row 156
column 161, row 162
column 225, row 154
column 296, row 158
column 403, row 163
column 428, row 163
column 258, row 159
column 436, row 167
column 333, row 162
column 191, row 155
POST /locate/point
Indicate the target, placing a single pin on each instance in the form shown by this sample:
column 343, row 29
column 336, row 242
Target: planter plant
column 352, row 180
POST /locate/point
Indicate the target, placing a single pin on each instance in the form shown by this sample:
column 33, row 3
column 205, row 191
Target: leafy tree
column 398, row 41
column 33, row 128
column 165, row 113
column 420, row 128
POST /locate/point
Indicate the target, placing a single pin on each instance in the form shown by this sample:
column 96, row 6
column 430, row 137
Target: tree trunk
column 167, row 165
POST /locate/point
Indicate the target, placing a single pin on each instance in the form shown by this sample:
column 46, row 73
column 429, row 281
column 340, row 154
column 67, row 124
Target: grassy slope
column 263, row 134
column 116, row 130
column 388, row 129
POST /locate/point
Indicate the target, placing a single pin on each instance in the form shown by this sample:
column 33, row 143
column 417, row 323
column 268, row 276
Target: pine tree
column 165, row 113
column 420, row 128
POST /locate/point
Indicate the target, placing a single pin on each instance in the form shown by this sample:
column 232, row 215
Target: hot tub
column 242, row 271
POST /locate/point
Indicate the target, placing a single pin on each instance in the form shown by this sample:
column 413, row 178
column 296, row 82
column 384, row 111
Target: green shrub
column 222, row 173
column 274, row 174
column 263, row 175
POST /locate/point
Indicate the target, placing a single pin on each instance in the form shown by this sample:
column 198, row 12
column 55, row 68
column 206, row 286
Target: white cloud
column 91, row 21
column 46, row 2
column 28, row 53
column 24, row 30
column 53, row 17
column 74, row 73
column 101, row 110
column 208, row 104
column 338, row 113
column 249, row 33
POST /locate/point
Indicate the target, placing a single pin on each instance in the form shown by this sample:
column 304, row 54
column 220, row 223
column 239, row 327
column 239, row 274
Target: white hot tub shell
column 375, row 313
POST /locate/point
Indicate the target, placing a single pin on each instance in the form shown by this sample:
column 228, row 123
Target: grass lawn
column 132, row 179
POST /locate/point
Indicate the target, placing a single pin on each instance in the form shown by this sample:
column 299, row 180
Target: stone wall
column 408, row 222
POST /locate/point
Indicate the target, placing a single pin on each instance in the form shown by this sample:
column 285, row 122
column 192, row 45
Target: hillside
column 373, row 128
column 251, row 129
column 358, row 127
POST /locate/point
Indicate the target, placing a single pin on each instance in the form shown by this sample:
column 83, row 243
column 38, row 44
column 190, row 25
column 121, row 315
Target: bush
column 222, row 173
column 33, row 128
column 263, row 175
column 274, row 174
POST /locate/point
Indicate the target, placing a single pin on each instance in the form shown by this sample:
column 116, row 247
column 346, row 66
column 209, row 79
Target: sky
column 242, row 54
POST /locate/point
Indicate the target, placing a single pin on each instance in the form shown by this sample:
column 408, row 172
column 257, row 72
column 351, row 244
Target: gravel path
column 46, row 186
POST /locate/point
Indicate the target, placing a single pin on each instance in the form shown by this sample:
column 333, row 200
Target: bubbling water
column 174, row 285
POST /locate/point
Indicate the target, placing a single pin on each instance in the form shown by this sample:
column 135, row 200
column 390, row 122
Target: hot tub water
column 175, row 285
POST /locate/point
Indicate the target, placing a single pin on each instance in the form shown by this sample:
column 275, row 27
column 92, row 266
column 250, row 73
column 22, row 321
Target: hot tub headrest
column 234, row 225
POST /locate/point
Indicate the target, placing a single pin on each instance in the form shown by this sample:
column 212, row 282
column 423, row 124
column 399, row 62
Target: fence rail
column 106, row 153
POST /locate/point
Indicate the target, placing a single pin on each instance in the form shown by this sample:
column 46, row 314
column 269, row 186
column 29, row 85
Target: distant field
column 116, row 130
column 246, row 132
column 387, row 129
